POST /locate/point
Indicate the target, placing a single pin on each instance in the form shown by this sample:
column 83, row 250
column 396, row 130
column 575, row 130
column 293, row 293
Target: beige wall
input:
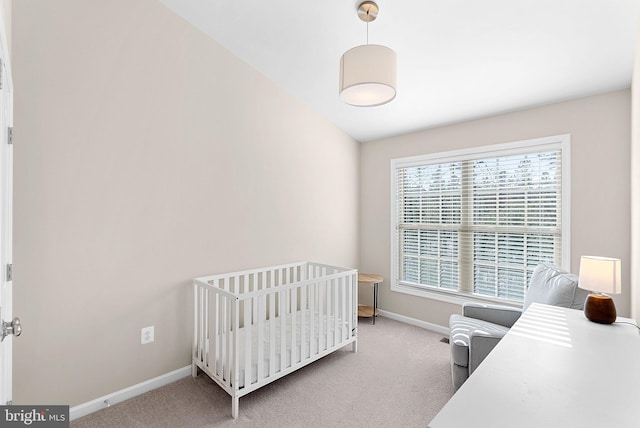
column 635, row 187
column 147, row 155
column 600, row 185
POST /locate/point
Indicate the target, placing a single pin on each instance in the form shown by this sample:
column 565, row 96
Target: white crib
column 253, row 327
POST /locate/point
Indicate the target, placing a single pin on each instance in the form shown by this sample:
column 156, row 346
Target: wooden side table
column 374, row 281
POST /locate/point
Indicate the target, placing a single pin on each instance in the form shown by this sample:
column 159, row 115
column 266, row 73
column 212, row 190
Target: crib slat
column 318, row 308
column 327, row 318
column 313, row 341
column 212, row 332
column 294, row 327
column 255, row 288
column 228, row 342
column 336, row 311
column 322, row 288
column 330, row 309
column 261, row 316
column 343, row 310
column 198, row 330
column 283, row 330
column 247, row 342
column 303, row 323
column 353, row 307
column 216, row 335
column 235, row 327
column 272, row 329
column 226, row 329
column 201, row 312
column 205, row 323
column 349, row 303
column 230, row 338
column 196, row 345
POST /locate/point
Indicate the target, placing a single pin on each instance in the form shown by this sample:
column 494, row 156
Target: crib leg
column 194, row 370
column 354, row 346
column 235, row 403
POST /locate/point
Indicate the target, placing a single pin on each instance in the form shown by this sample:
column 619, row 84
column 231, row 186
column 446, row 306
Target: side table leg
column 375, row 302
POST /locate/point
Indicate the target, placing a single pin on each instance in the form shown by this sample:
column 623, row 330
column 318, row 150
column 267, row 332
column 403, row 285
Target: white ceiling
column 457, row 59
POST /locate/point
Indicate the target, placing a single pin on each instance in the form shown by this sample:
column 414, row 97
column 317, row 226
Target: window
column 476, row 223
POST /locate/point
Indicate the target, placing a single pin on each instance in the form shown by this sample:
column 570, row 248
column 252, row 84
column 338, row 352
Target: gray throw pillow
column 553, row 286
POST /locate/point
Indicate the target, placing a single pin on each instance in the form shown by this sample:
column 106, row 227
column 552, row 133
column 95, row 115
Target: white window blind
column 478, row 223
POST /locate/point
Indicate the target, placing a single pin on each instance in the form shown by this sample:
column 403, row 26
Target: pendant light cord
column 367, row 28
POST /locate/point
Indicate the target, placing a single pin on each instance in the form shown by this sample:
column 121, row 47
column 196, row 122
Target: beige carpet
column 398, row 378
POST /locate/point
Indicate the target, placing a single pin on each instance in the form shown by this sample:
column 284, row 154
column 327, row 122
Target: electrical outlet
column 146, row 335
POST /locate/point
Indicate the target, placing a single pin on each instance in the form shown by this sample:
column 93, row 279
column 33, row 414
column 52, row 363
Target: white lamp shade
column 368, row 75
column 600, row 274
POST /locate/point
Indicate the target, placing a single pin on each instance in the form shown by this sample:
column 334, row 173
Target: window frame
column 557, row 142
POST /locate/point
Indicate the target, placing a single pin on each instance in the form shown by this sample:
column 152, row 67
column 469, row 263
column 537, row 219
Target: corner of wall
column 6, row 16
column 635, row 186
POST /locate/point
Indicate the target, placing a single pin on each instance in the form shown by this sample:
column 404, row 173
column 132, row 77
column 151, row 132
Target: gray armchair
column 478, row 330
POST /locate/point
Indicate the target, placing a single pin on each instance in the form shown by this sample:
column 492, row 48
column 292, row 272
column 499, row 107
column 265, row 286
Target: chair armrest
column 502, row 315
column 480, row 344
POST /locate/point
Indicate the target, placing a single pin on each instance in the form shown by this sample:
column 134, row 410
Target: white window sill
column 455, row 297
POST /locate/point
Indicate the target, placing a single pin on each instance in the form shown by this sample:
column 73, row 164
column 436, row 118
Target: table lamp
column 600, row 275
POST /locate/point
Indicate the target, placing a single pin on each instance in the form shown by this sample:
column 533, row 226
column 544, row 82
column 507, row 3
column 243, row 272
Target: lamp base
column 600, row 308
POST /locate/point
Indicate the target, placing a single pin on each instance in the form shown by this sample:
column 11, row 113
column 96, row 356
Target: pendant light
column 368, row 72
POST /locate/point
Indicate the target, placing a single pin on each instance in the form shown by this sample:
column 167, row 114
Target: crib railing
column 253, row 327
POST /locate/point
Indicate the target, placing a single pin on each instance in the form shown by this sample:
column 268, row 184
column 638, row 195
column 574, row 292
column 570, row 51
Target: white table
column 553, row 369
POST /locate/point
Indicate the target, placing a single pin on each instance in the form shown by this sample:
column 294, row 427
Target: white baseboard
column 418, row 323
column 124, row 394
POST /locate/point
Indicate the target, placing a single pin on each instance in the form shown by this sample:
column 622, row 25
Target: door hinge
column 9, row 272
column 10, row 135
